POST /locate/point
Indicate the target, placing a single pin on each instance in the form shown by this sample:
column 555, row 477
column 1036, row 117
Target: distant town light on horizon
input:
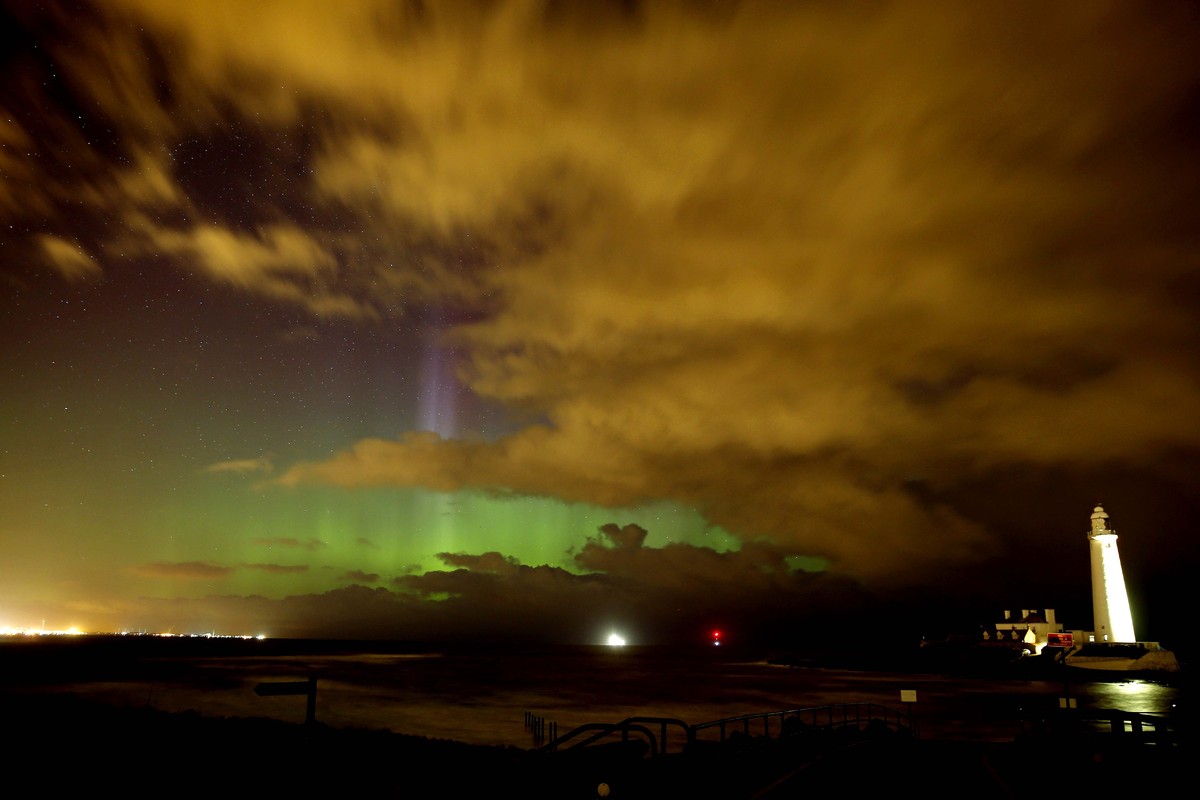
column 615, row 640
column 10, row 631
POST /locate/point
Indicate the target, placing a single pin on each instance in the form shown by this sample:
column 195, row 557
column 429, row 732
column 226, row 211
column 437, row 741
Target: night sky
column 428, row 320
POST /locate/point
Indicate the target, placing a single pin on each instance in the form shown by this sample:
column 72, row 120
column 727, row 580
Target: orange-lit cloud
column 777, row 283
column 69, row 260
column 242, row 465
column 816, row 271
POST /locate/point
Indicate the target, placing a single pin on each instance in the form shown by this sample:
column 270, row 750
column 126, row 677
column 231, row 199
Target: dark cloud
column 186, row 571
column 628, row 536
column 279, row 569
column 673, row 593
column 492, row 563
column 359, row 576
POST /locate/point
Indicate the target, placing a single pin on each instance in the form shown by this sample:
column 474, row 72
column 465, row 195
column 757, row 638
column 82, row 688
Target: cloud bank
column 813, row 270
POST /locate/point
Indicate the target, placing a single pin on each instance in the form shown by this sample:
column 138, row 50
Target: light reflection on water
column 1140, row 696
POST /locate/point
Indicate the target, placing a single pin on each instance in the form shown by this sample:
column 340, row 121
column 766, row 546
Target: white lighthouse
column 1110, row 601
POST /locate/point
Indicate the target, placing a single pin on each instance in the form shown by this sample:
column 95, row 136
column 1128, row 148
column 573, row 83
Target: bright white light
column 615, row 641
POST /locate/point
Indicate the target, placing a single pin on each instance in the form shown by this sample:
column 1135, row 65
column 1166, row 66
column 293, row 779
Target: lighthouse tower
column 1110, row 602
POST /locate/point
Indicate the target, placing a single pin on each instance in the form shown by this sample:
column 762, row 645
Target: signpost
column 909, row 698
column 308, row 687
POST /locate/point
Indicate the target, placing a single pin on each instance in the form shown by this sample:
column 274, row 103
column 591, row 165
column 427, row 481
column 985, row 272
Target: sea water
column 487, row 694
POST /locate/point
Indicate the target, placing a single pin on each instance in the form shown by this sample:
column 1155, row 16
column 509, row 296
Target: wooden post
column 310, row 714
column 308, row 688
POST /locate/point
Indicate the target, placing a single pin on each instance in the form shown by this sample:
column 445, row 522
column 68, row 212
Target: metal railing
column 1129, row 726
column 839, row 715
column 594, row 732
column 655, row 730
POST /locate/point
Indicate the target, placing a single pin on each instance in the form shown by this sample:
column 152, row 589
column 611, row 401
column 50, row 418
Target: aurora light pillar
column 1110, row 602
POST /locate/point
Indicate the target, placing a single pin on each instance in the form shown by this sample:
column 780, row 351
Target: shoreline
column 77, row 742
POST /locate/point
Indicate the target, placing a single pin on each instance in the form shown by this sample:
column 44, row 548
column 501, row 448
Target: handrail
column 1130, row 725
column 1133, row 727
column 624, row 727
column 873, row 711
column 602, row 729
column 851, row 714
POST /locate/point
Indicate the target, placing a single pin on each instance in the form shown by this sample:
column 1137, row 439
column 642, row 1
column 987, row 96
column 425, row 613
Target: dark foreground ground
column 65, row 743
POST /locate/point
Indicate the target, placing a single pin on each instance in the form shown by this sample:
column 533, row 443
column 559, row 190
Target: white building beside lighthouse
column 1110, row 601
